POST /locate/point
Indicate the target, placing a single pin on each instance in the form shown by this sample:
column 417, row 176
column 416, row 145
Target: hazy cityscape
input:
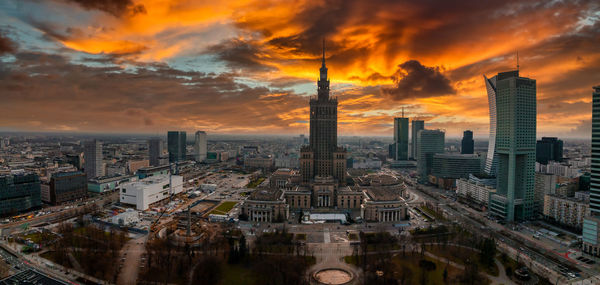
column 179, row 142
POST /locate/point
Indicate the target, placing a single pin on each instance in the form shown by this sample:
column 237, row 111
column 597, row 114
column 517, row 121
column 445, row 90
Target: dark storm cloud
column 240, row 54
column 155, row 96
column 6, row 44
column 116, row 8
column 414, row 80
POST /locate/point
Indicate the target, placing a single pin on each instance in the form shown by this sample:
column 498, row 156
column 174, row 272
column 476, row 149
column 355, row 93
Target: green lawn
column 223, row 208
column 255, row 183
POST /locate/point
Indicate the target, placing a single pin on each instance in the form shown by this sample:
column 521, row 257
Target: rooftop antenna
column 402, row 111
column 517, row 60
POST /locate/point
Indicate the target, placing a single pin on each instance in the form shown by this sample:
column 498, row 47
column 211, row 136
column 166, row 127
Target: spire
column 323, row 51
column 402, row 111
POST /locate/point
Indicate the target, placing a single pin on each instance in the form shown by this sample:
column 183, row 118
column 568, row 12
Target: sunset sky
column 251, row 66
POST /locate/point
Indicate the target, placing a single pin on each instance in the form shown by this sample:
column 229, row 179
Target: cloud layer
column 249, row 66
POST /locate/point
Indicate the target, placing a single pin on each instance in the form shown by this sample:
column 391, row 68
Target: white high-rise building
column 93, row 159
column 200, row 146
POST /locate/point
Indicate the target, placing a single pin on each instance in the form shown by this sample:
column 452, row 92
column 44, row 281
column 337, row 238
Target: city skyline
column 223, row 69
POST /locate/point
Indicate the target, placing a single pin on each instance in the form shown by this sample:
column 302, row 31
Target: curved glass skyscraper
column 491, row 161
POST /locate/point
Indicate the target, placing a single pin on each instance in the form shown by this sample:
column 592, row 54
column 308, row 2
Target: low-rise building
column 265, row 162
column 266, row 205
column 567, row 211
column 366, row 163
column 284, row 178
column 383, row 204
column 153, row 170
column 474, row 192
column 126, row 218
column 148, row 191
column 134, row 165
column 107, row 184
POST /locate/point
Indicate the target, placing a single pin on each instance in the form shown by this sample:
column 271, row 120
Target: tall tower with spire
column 322, row 157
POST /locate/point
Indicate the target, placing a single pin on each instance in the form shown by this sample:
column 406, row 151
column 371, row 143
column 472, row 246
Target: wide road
column 478, row 223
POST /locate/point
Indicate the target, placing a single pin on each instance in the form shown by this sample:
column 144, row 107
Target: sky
column 250, row 67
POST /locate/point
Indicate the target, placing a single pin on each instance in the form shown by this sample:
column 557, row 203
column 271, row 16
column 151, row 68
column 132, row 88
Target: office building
column 544, row 184
column 474, row 192
column 323, row 158
column 19, row 192
column 146, row 192
column 591, row 224
column 154, row 151
column 67, row 186
column 515, row 146
column 400, row 146
column 455, row 166
column 567, row 211
column 417, row 125
column 74, row 159
column 429, row 143
column 491, row 161
column 200, row 146
column 176, row 142
column 548, row 149
column 467, row 143
column 92, row 154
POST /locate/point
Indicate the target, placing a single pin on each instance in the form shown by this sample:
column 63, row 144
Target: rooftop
column 456, row 156
column 265, row 194
column 379, row 193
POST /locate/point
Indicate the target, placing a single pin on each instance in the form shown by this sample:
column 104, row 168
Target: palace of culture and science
column 322, row 184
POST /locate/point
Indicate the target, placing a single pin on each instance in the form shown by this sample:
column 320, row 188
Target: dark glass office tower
column 591, row 223
column 400, row 138
column 176, row 144
column 548, row 149
column 467, row 144
column 154, row 151
column 515, row 146
column 417, row 125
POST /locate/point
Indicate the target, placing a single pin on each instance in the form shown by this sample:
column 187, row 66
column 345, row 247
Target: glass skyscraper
column 177, row 146
column 429, row 143
column 514, row 146
column 154, row 151
column 92, row 154
column 549, row 149
column 491, row 162
column 417, row 125
column 591, row 224
column 467, row 143
column 400, row 138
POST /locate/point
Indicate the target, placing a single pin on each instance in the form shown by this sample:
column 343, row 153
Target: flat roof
column 265, row 194
column 383, row 193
